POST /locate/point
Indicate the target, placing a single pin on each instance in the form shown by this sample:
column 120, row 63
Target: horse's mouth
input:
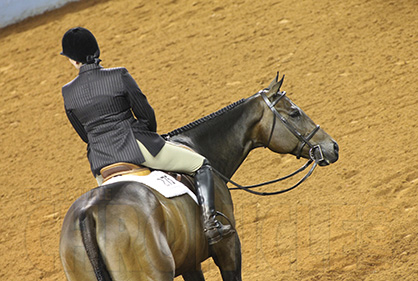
column 328, row 160
column 324, row 162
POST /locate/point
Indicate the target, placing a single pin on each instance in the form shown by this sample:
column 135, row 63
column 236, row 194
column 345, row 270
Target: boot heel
column 217, row 231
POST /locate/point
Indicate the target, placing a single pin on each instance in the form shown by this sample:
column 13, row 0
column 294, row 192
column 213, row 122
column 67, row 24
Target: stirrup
column 216, row 231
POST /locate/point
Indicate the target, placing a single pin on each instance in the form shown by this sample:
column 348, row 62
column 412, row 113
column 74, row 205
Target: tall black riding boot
column 213, row 229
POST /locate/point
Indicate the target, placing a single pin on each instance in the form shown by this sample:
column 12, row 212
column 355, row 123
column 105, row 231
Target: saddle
column 123, row 168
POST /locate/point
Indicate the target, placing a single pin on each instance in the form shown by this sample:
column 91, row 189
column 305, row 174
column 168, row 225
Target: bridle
column 315, row 152
column 303, row 140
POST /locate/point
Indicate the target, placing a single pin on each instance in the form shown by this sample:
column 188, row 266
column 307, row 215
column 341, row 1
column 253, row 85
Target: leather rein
column 315, row 151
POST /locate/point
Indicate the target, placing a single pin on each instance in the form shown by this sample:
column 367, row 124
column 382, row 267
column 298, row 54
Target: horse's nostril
column 336, row 148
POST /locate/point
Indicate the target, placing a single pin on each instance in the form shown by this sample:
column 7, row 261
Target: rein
column 314, row 157
column 248, row 187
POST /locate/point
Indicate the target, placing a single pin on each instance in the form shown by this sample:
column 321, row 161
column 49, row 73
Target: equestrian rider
column 111, row 114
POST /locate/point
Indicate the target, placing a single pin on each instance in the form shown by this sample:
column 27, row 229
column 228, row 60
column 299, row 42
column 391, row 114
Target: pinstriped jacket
column 100, row 104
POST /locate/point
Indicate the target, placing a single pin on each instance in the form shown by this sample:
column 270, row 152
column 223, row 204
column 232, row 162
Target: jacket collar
column 88, row 67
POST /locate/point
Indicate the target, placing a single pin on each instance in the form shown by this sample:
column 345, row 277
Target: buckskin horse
column 127, row 231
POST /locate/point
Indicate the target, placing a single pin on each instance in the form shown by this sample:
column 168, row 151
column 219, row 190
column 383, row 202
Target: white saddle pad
column 164, row 184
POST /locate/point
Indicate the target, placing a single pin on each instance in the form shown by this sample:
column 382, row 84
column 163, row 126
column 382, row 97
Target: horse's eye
column 295, row 113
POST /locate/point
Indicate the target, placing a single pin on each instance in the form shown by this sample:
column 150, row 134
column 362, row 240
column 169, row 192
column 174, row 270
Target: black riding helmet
column 80, row 45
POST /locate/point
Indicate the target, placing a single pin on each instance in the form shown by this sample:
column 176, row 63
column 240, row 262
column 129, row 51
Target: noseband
column 317, row 157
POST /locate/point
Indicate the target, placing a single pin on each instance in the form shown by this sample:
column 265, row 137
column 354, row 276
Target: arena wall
column 13, row 11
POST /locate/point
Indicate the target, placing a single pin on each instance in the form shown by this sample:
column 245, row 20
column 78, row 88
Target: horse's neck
column 226, row 139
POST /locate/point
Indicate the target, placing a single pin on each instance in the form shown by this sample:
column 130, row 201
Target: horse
column 127, row 231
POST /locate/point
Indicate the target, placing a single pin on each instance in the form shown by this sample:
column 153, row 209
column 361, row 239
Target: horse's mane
column 202, row 120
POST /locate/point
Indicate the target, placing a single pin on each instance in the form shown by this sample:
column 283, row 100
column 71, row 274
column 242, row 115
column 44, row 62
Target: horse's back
column 138, row 231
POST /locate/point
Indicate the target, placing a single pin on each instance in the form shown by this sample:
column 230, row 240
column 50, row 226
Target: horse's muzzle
column 324, row 156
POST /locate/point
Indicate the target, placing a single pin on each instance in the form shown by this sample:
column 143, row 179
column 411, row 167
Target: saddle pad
column 164, row 184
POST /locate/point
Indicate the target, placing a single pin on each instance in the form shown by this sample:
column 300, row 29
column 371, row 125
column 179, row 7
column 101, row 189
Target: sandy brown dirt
column 351, row 65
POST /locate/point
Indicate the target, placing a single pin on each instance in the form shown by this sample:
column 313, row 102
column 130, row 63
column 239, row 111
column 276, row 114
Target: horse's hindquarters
column 128, row 232
column 72, row 252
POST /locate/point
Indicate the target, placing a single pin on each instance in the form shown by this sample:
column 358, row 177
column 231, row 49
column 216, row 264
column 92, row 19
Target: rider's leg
column 99, row 179
column 191, row 162
column 212, row 228
column 173, row 158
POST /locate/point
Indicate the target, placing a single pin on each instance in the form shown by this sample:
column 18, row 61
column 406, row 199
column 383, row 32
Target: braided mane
column 202, row 120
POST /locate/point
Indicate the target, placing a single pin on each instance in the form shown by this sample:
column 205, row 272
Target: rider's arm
column 139, row 103
column 79, row 128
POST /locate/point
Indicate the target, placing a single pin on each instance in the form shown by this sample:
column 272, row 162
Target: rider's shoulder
column 115, row 70
column 69, row 84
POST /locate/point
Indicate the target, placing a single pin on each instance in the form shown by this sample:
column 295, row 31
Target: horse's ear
column 274, row 81
column 275, row 85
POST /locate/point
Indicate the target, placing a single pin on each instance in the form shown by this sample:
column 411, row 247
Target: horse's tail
column 88, row 235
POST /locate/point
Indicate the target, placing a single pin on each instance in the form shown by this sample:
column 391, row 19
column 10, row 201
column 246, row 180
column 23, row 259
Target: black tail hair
column 88, row 235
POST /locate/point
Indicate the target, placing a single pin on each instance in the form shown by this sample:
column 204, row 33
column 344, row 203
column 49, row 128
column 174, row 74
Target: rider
column 111, row 114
